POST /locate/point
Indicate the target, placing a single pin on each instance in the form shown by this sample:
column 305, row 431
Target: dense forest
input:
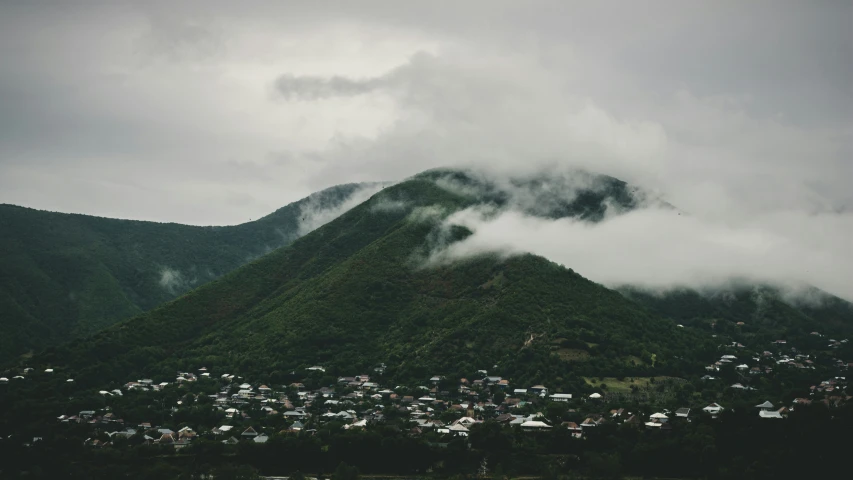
column 65, row 276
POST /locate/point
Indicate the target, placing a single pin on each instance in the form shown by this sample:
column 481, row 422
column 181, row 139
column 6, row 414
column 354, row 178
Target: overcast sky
column 217, row 112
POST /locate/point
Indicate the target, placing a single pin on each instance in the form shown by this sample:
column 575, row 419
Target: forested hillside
column 364, row 295
column 64, row 275
column 358, row 291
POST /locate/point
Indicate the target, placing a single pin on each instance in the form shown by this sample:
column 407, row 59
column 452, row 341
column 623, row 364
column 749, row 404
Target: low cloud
column 662, row 249
column 389, row 205
column 174, row 281
column 317, row 88
column 316, row 212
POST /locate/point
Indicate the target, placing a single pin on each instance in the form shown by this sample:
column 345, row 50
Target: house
column 682, row 412
column 767, row 410
column 593, row 421
column 261, row 439
column 574, row 428
column 535, row 426
column 519, row 391
column 560, row 397
column 714, row 409
column 658, row 418
column 504, row 418
column 249, row 433
column 539, row 390
column 465, row 421
column 617, row 413
column 458, row 430
column 4, row 380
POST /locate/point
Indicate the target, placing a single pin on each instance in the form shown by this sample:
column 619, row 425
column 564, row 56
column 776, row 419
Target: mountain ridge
column 67, row 275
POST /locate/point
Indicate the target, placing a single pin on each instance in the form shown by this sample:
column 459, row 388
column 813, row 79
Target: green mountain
column 361, row 291
column 358, row 292
column 758, row 313
column 64, row 276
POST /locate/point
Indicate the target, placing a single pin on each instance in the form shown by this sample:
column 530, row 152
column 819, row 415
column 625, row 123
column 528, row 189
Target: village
column 440, row 408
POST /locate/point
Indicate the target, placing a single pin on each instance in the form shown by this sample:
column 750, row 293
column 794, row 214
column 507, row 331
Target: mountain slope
column 66, row 275
column 359, row 291
column 356, row 292
column 761, row 313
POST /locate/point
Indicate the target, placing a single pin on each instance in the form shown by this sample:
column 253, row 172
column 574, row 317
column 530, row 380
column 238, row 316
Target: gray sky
column 216, row 112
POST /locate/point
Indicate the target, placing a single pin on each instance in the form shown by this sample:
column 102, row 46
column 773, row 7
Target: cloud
column 174, row 281
column 231, row 111
column 316, row 88
column 316, row 211
column 663, row 248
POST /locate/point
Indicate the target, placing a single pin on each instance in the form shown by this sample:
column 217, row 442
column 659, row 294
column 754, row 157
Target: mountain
column 361, row 291
column 64, row 275
column 761, row 313
column 358, row 292
column 364, row 291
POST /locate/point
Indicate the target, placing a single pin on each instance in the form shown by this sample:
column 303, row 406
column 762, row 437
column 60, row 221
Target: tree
column 345, row 472
column 231, row 472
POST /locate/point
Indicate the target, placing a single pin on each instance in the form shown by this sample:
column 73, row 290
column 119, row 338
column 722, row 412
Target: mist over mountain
column 392, row 280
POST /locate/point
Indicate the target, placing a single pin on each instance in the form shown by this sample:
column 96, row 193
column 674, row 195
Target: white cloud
column 314, row 213
column 663, row 249
column 230, row 111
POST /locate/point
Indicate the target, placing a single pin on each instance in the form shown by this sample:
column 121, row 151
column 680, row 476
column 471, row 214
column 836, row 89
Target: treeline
column 737, row 446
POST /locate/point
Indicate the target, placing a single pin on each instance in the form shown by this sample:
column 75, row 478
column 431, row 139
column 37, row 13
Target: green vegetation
column 361, row 291
column 624, row 384
column 64, row 276
column 356, row 292
column 760, row 313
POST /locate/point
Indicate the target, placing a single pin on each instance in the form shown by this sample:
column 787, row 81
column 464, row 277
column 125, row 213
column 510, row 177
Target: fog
column 738, row 114
column 660, row 249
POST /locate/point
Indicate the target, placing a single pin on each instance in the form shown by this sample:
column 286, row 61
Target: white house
column 658, row 417
column 535, row 425
column 561, row 397
column 458, row 430
column 713, row 409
